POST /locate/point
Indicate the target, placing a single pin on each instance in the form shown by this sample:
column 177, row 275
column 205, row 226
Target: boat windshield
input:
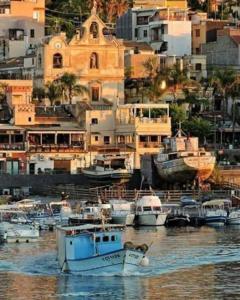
column 158, row 208
column 147, row 208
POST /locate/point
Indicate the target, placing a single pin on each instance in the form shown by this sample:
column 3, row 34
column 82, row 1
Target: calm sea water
column 187, row 263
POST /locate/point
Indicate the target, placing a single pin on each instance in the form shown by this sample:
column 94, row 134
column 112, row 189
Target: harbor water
column 185, row 263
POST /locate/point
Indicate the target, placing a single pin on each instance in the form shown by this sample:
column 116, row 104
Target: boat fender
column 144, row 262
column 143, row 248
column 128, row 245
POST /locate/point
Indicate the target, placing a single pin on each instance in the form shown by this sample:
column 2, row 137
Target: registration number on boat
column 111, row 257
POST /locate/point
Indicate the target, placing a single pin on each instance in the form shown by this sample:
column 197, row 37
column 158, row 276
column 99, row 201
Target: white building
column 167, row 30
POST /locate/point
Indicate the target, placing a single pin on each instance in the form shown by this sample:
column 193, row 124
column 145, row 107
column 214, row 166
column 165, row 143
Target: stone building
column 93, row 55
column 225, row 51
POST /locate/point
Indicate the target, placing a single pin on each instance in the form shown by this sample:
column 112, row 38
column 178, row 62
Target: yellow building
column 160, row 3
column 94, row 56
column 134, row 129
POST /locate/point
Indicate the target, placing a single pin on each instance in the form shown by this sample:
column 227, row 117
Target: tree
column 223, row 82
column 198, row 127
column 38, row 93
column 69, row 86
column 178, row 115
column 53, row 91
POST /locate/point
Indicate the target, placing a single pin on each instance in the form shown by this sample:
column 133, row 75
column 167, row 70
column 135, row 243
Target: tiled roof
column 140, row 45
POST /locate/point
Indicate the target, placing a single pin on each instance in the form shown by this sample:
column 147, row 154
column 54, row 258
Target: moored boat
column 109, row 166
column 215, row 213
column 16, row 233
column 92, row 249
column 233, row 217
column 149, row 211
column 122, row 212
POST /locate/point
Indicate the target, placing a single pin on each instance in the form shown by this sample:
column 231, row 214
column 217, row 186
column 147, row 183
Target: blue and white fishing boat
column 92, row 249
column 215, row 213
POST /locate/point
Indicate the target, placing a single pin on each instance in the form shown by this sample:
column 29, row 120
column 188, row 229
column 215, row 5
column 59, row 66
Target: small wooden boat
column 92, row 249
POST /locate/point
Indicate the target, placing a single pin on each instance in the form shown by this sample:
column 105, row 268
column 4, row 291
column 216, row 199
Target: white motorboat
column 96, row 249
column 109, row 166
column 234, row 217
column 122, row 212
column 149, row 211
column 94, row 214
column 16, row 233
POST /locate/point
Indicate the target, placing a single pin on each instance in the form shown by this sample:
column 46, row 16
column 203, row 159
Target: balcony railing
column 149, row 144
column 12, row 147
column 57, row 148
column 144, row 120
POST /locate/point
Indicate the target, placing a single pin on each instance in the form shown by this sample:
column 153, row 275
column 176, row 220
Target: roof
column 217, row 202
column 89, row 227
column 140, row 45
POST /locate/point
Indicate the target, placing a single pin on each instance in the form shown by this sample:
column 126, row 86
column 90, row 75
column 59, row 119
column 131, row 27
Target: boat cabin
column 81, row 242
column 148, row 204
column 113, row 162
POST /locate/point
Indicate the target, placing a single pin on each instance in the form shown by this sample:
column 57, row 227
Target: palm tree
column 222, row 82
column 53, row 91
column 70, row 87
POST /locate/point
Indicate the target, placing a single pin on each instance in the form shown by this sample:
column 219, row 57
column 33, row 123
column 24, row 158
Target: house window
column 94, row 121
column 95, row 93
column 29, row 119
column 142, row 20
column 198, row 67
column 197, row 50
column 145, row 33
column 94, row 61
column 57, row 61
column 32, row 33
column 113, row 238
column 94, row 30
column 106, row 140
column 96, row 138
column 197, row 32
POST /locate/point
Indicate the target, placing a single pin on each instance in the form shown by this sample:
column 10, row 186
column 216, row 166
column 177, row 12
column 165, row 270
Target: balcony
column 12, row 147
column 52, row 148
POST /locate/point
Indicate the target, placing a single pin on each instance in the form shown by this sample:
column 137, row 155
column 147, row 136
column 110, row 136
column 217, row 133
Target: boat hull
column 215, row 220
column 104, row 175
column 127, row 219
column 119, row 262
column 186, row 168
column 234, row 218
column 16, row 233
column 151, row 219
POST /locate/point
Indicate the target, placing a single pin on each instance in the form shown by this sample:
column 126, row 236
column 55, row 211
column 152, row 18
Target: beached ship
column 109, row 166
column 182, row 160
column 92, row 249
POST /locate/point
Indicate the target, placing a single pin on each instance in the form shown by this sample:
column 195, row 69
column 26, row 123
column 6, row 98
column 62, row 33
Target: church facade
column 93, row 55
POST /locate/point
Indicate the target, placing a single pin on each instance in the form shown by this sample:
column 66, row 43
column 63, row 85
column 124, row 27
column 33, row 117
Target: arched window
column 57, row 61
column 94, row 61
column 94, row 30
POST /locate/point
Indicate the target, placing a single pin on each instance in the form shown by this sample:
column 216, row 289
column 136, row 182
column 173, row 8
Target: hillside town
column 121, row 86
column 119, row 149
